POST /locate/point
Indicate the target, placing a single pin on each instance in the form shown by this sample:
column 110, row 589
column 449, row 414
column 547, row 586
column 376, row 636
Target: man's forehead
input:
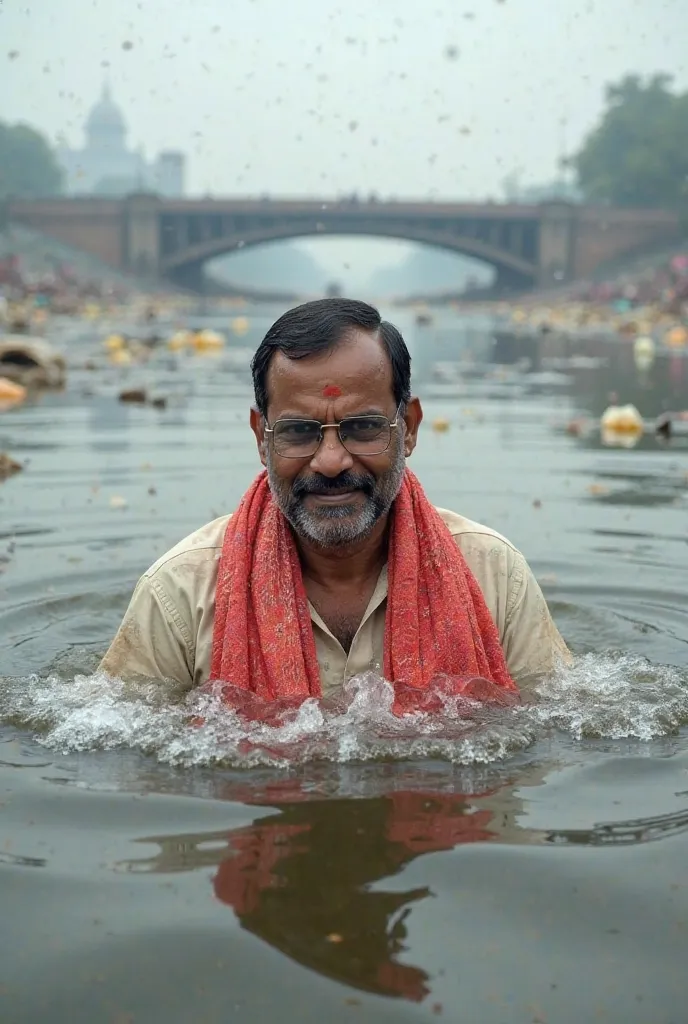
column 358, row 362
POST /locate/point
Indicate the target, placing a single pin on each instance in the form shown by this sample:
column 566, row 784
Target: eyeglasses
column 360, row 435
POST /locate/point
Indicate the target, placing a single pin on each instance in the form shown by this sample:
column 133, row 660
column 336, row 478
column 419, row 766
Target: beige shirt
column 168, row 628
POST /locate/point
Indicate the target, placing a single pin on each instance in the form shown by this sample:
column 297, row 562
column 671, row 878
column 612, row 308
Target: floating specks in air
column 105, row 63
column 13, row 54
column 127, row 45
column 353, row 125
column 451, row 52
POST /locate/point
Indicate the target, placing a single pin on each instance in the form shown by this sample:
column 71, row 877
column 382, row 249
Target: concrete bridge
column 529, row 246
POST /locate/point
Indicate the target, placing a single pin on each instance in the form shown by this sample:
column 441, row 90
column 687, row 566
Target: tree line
column 637, row 154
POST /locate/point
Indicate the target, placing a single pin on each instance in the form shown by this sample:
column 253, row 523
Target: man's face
column 333, row 498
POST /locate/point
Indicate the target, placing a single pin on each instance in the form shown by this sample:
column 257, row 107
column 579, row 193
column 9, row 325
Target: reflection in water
column 624, row 833
column 17, row 860
column 308, row 878
column 653, row 390
column 304, row 878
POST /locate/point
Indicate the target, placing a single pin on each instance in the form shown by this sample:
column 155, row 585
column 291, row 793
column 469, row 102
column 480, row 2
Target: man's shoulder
column 203, row 545
column 466, row 532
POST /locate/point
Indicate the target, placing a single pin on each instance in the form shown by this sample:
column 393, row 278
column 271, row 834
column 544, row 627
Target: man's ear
column 257, row 421
column 413, row 417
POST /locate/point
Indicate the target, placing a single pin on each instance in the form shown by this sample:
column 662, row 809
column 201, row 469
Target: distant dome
column 106, row 116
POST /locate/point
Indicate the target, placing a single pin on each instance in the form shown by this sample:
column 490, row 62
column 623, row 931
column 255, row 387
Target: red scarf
column 437, row 623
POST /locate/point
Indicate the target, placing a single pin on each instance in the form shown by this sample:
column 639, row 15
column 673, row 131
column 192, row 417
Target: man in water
column 335, row 563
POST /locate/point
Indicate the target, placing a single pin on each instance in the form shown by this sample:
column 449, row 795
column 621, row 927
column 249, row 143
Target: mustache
column 318, row 484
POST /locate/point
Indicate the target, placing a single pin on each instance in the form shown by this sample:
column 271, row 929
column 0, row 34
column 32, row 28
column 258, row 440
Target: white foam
column 600, row 696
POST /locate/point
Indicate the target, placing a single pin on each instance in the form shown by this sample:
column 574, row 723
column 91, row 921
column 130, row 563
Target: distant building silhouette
column 106, row 167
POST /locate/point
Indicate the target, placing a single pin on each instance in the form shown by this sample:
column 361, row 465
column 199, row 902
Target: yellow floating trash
column 179, row 341
column 114, row 343
column 120, row 357
column 619, row 439
column 10, row 392
column 207, row 341
column 644, row 350
column 240, row 325
column 622, row 420
column 676, row 337
column 440, row 425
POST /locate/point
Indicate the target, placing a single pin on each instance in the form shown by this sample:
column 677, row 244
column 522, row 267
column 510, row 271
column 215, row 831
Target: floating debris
column 115, row 343
column 664, row 426
column 622, row 419
column 207, row 341
column 135, row 395
column 240, row 325
column 677, row 337
column 440, row 425
column 644, row 352
column 121, row 357
column 31, row 362
column 578, row 427
column 8, row 466
column 179, row 341
column 10, row 393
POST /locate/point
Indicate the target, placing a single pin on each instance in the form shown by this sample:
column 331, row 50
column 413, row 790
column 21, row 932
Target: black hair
column 318, row 326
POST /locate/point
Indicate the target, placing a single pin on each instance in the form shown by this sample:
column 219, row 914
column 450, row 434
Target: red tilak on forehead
column 332, row 391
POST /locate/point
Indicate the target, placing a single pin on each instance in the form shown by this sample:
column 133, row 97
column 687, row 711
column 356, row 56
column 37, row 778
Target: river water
column 528, row 865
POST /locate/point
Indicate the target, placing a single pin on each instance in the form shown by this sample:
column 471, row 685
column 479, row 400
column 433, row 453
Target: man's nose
column 331, row 458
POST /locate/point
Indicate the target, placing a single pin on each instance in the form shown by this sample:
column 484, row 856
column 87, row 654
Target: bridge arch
column 185, row 266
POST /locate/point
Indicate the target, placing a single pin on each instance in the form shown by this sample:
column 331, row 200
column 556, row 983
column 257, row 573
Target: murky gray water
column 528, row 866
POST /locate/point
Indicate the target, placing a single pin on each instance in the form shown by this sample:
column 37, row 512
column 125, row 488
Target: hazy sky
column 405, row 97
column 402, row 97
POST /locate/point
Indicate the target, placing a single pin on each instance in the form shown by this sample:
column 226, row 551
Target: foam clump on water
column 600, row 696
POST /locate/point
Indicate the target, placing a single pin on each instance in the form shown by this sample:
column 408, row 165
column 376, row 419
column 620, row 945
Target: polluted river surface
column 525, row 865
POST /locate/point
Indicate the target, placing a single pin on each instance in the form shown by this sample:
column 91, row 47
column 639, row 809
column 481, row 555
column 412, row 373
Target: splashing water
column 600, row 696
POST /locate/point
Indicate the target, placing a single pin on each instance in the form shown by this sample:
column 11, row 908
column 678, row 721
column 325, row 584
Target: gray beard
column 336, row 526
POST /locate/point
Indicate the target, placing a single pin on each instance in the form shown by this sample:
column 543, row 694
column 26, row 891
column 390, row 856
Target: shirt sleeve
column 153, row 640
column 532, row 644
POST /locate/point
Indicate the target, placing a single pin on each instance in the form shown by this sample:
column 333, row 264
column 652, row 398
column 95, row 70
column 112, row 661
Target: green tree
column 638, row 153
column 28, row 168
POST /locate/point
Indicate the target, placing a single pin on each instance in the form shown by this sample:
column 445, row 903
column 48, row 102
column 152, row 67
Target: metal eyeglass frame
column 324, row 426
